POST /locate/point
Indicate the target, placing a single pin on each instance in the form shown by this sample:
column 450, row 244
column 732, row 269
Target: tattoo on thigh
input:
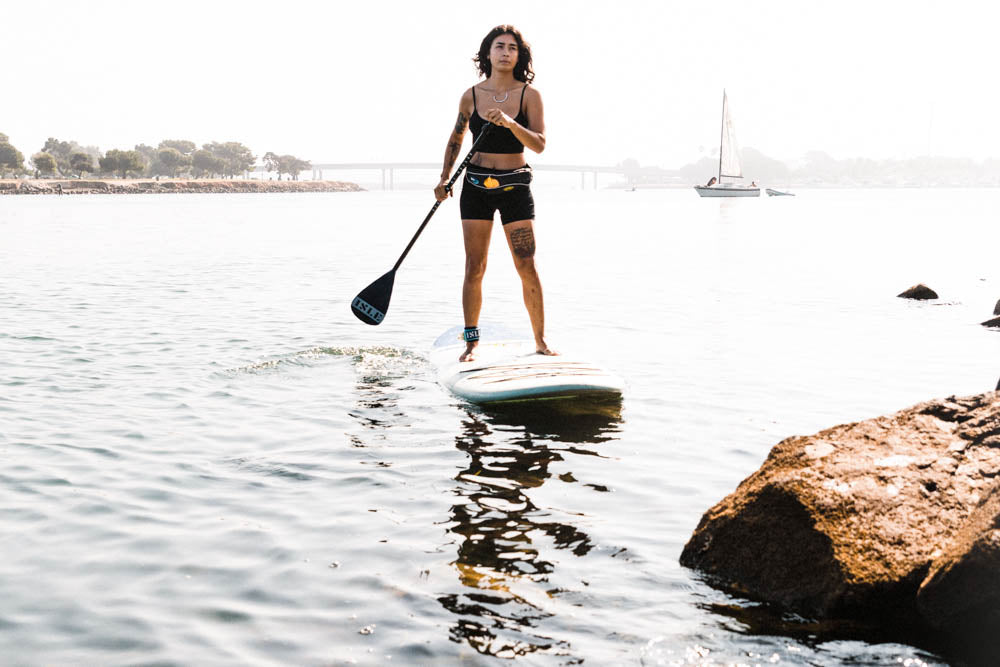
column 461, row 123
column 523, row 242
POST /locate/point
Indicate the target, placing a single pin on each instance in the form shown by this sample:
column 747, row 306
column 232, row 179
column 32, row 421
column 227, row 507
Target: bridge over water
column 388, row 169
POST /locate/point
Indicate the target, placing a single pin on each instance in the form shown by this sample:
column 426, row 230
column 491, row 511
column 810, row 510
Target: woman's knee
column 475, row 268
column 525, row 266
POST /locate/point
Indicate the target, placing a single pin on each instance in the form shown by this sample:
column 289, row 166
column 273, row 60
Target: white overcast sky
column 380, row 79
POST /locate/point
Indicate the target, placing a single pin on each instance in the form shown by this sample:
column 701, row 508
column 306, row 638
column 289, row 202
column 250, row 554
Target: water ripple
column 204, row 458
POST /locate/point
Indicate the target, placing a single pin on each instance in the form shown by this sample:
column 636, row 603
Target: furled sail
column 729, row 151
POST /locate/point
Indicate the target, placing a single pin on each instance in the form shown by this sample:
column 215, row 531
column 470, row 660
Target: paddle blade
column 372, row 303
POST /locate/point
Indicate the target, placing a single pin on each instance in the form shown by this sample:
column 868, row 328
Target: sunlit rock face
column 920, row 292
column 849, row 522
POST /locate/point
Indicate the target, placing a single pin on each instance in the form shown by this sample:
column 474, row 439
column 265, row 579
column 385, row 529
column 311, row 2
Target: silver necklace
column 505, row 96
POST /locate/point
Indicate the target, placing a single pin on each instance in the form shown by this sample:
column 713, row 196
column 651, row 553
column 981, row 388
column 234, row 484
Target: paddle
column 371, row 303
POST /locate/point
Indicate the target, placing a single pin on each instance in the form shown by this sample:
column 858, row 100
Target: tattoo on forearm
column 461, row 123
column 451, row 154
column 523, row 242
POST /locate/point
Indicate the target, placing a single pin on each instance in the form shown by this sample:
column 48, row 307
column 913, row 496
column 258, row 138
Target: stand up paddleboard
column 507, row 369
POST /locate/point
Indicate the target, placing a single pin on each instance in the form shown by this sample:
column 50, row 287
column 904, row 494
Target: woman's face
column 503, row 53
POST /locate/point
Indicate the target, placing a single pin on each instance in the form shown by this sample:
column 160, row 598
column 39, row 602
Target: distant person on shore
column 498, row 178
column 710, row 183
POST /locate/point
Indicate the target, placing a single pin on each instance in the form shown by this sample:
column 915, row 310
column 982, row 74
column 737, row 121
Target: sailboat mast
column 722, row 132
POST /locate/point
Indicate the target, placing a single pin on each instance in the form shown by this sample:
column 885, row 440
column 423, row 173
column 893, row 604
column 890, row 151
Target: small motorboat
column 778, row 193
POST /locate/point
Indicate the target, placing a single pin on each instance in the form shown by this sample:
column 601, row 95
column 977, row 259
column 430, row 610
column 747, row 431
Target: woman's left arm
column 532, row 136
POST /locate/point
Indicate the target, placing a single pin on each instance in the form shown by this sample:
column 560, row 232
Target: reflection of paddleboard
column 507, row 368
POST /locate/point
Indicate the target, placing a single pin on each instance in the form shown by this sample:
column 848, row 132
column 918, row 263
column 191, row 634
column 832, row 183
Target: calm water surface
column 205, row 459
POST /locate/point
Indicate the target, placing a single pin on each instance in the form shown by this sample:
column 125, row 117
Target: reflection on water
column 377, row 389
column 503, row 536
column 756, row 619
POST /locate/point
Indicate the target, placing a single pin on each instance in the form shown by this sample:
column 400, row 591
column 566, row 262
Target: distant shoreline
column 151, row 186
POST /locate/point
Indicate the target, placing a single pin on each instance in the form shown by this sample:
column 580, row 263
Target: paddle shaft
column 461, row 167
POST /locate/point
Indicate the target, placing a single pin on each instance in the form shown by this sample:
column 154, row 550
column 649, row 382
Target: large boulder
column 919, row 291
column 847, row 523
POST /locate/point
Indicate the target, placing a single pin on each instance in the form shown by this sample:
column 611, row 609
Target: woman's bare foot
column 470, row 351
column 542, row 348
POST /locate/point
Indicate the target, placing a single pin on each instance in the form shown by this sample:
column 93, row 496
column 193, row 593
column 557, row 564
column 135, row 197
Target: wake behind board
column 507, row 369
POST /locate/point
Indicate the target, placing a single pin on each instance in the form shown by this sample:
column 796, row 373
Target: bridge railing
column 388, row 169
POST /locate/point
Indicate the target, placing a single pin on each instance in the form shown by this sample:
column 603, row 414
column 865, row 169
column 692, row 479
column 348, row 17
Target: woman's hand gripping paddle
column 371, row 304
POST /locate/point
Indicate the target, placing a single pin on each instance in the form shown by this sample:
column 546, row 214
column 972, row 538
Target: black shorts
column 484, row 191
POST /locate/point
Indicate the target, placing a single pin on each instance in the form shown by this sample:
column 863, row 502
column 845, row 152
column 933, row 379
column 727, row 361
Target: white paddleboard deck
column 507, row 369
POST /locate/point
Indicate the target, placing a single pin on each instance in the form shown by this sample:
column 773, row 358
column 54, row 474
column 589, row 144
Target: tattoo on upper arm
column 460, row 123
column 523, row 242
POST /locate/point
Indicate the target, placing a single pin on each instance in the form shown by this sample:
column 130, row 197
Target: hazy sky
column 381, row 80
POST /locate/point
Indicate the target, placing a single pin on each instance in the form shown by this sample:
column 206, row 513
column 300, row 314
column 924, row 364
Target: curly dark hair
column 522, row 70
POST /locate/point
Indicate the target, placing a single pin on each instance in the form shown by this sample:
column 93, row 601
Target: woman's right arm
column 454, row 144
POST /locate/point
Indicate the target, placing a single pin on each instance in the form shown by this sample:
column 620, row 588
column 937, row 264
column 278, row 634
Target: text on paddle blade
column 368, row 310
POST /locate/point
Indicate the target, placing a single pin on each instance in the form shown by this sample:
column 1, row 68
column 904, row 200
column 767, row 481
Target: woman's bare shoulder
column 467, row 98
column 531, row 93
column 532, row 98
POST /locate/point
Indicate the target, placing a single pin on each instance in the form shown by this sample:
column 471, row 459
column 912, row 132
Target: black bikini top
column 500, row 139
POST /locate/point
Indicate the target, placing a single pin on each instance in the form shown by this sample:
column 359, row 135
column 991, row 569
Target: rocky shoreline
column 891, row 522
column 150, row 186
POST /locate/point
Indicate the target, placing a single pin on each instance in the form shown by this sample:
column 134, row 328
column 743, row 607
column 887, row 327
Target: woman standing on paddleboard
column 498, row 178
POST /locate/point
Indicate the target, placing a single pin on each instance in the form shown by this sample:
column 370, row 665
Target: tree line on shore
column 172, row 158
column 818, row 169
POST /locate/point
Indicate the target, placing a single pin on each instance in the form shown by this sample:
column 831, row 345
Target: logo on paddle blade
column 368, row 310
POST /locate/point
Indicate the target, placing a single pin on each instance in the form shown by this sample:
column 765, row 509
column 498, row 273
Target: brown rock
column 846, row 522
column 33, row 188
column 995, row 322
column 919, row 291
column 961, row 593
column 86, row 185
column 996, row 308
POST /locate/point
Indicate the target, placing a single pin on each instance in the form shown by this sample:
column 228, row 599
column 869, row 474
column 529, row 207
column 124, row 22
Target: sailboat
column 729, row 164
